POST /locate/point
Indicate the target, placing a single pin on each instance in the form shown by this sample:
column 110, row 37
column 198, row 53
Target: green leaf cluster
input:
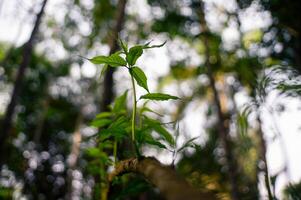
column 139, row 129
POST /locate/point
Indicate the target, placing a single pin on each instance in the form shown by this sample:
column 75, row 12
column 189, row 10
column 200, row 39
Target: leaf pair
column 133, row 55
column 115, row 60
column 136, row 51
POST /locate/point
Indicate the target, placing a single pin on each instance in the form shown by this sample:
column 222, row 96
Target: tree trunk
column 41, row 121
column 262, row 157
column 108, row 91
column 27, row 52
column 74, row 154
column 222, row 127
column 170, row 185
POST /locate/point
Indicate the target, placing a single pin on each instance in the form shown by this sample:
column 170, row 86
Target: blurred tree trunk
column 108, row 84
column 41, row 121
column 254, row 184
column 262, row 161
column 27, row 52
column 108, row 90
column 222, row 126
column 262, row 142
column 74, row 154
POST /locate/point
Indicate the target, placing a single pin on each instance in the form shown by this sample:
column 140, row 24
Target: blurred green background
column 235, row 64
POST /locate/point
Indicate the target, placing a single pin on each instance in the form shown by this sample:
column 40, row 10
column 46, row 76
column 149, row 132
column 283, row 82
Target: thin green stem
column 134, row 110
column 115, row 152
column 134, row 143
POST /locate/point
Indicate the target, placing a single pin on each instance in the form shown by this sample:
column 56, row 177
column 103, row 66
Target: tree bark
column 27, row 52
column 222, row 127
column 171, row 186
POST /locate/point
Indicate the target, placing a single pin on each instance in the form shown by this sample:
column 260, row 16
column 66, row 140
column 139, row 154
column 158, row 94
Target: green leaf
column 146, row 46
column 118, row 132
column 164, row 133
column 242, row 121
column 100, row 122
column 189, row 143
column 154, row 142
column 120, row 102
column 142, row 133
column 144, row 136
column 134, row 53
column 156, row 126
column 158, row 97
column 113, row 60
column 124, row 46
column 140, row 77
column 106, row 145
column 95, row 152
column 121, row 121
column 103, row 115
column 103, row 70
column 146, row 109
column 117, row 129
column 290, row 88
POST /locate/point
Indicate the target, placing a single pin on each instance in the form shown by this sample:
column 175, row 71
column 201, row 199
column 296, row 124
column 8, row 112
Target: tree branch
column 171, row 186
